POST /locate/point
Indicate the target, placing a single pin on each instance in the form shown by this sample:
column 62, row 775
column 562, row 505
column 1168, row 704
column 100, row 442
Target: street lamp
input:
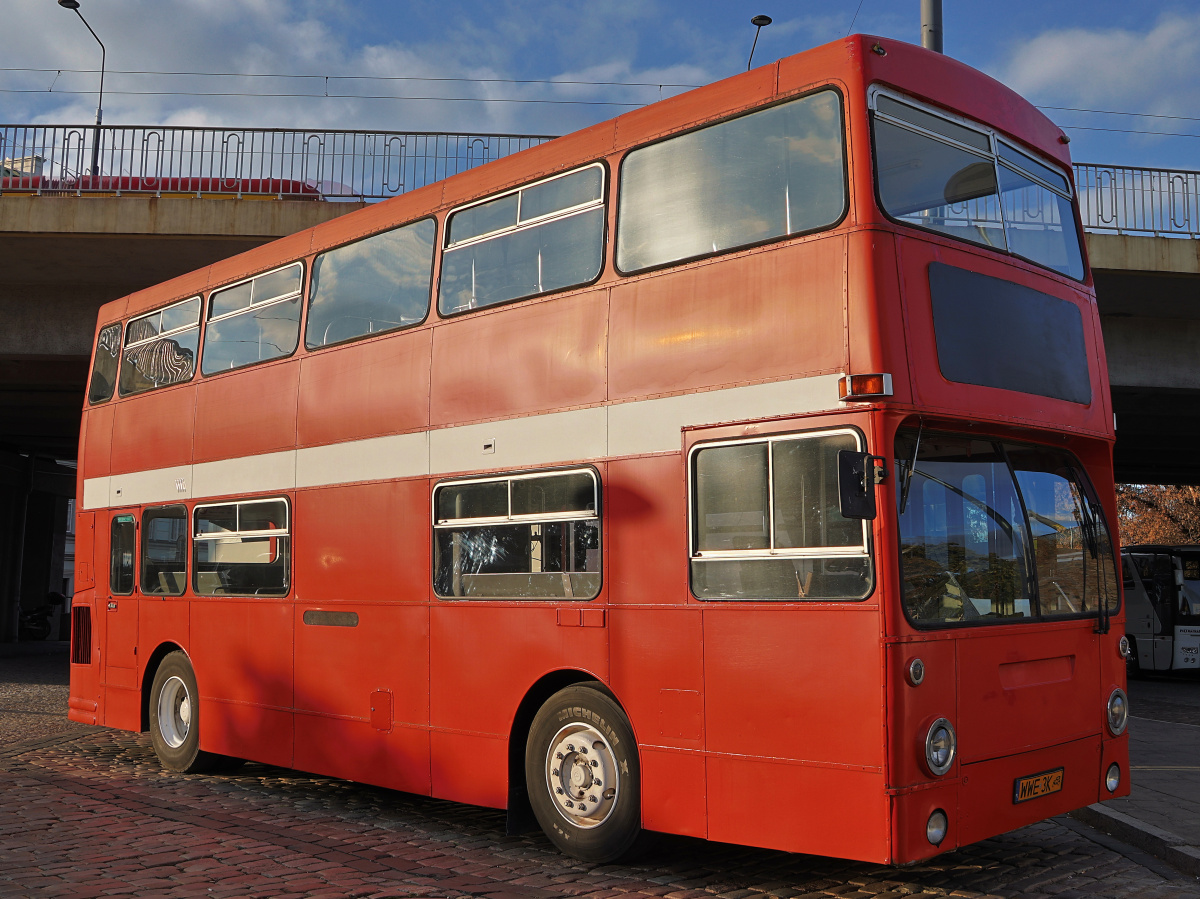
column 758, row 22
column 74, row 4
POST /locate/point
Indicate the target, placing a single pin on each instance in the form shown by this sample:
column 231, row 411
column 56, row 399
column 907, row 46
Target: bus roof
column 853, row 63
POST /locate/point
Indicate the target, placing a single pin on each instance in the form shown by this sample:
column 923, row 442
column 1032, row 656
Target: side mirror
column 1178, row 577
column 857, row 477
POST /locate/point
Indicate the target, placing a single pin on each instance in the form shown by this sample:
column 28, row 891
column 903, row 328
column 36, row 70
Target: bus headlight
column 940, row 745
column 1118, row 712
column 1112, row 779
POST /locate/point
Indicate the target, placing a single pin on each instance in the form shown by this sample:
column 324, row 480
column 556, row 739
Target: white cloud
column 1155, row 71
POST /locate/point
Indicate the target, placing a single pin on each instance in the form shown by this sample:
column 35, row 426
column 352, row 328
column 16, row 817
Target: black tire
column 174, row 713
column 581, row 753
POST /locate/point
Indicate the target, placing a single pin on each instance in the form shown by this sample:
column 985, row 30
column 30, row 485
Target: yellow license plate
column 1035, row 785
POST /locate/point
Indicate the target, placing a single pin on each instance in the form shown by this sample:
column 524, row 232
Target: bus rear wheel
column 174, row 717
column 581, row 771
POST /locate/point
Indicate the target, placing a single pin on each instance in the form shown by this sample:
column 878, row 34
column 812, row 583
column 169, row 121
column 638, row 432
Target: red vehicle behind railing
column 113, row 185
column 739, row 468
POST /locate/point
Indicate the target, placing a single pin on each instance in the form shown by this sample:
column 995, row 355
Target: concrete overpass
column 1148, row 291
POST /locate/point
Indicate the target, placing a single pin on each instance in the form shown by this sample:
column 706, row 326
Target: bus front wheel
column 174, row 717
column 581, row 771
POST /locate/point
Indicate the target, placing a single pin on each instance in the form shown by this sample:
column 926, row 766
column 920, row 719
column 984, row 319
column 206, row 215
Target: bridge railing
column 372, row 165
column 300, row 164
column 1138, row 201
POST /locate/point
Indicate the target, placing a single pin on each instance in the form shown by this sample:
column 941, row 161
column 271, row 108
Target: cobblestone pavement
column 88, row 812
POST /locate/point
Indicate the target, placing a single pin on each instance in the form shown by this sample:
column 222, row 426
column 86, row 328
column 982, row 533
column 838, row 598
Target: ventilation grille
column 81, row 635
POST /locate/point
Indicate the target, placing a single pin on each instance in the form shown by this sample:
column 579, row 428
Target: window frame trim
column 831, row 86
column 142, row 549
column 129, row 344
column 528, row 223
column 862, row 550
column 113, row 522
column 300, row 291
column 268, row 532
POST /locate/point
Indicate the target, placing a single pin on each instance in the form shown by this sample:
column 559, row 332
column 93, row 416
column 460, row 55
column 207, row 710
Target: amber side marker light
column 864, row 387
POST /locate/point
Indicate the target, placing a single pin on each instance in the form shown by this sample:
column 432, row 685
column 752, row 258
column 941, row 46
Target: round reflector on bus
column 940, row 745
column 1118, row 712
column 936, row 827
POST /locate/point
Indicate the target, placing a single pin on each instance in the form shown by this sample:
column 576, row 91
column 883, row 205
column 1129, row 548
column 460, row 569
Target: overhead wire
column 458, row 99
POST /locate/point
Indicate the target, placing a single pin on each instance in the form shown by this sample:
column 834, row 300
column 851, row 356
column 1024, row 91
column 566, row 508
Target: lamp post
column 758, row 22
column 74, row 4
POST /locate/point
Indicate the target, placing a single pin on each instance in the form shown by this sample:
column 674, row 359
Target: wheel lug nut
column 593, row 799
column 583, row 749
column 595, row 763
column 558, row 790
column 597, row 782
column 558, row 755
column 570, row 748
column 554, row 773
column 570, row 804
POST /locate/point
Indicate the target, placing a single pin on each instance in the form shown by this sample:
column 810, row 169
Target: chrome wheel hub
column 582, row 775
column 174, row 712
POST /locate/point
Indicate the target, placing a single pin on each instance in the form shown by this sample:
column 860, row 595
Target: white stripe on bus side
column 620, row 429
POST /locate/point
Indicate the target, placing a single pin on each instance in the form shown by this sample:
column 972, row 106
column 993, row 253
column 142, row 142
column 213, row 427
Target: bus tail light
column 864, row 387
column 940, row 745
column 1118, row 712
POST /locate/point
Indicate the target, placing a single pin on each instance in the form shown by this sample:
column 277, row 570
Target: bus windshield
column 993, row 532
column 966, row 182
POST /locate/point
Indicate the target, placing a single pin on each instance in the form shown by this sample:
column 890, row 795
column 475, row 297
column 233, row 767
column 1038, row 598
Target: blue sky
column 521, row 66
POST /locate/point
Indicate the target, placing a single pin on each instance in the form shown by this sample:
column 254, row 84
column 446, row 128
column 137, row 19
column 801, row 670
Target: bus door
column 117, row 601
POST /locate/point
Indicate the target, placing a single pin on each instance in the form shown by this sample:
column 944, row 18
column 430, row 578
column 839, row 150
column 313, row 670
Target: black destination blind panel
column 995, row 333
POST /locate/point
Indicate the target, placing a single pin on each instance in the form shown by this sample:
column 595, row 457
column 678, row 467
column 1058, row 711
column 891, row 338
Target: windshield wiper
column 909, row 469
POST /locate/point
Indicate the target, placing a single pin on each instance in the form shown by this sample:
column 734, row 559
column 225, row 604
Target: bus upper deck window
column 160, row 348
column 961, row 179
column 104, row 366
column 374, row 285
column 256, row 320
column 772, row 173
column 544, row 237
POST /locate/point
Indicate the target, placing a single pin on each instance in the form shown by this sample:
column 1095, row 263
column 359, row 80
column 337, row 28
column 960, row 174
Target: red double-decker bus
column 739, row 467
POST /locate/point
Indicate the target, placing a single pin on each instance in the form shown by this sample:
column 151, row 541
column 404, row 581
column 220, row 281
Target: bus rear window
column 759, row 177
